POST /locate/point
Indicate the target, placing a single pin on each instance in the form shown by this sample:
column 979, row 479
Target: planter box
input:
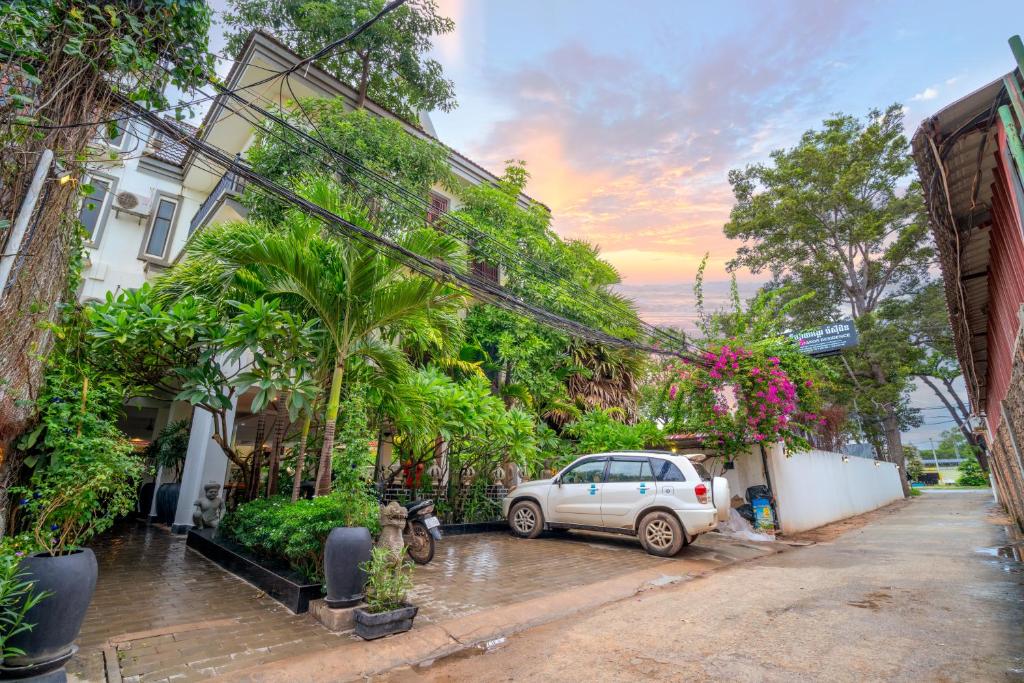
column 474, row 528
column 371, row 626
column 275, row 578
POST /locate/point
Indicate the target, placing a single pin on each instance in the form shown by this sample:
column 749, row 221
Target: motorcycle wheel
column 420, row 543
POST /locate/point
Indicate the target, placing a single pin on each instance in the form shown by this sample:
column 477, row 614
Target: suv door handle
column 644, row 488
column 593, row 489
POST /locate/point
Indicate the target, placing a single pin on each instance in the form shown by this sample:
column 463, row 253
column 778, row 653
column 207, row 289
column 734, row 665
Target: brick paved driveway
column 167, row 613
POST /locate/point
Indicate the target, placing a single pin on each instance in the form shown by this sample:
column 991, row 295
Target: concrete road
column 922, row 593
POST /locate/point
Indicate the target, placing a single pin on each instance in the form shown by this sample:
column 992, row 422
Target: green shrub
column 388, row 580
column 17, row 597
column 971, row 473
column 295, row 532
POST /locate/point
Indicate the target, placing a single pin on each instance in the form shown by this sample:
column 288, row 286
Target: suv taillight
column 702, row 493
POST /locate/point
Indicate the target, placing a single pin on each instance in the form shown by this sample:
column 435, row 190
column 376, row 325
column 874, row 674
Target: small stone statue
column 392, row 524
column 209, row 508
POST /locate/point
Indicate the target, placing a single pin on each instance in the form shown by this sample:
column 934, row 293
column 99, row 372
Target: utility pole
column 935, row 459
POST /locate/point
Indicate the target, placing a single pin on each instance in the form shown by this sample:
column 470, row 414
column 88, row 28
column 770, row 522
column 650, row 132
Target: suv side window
column 629, row 471
column 666, row 471
column 587, row 472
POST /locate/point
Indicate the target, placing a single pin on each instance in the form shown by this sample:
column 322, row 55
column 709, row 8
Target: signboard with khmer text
column 827, row 340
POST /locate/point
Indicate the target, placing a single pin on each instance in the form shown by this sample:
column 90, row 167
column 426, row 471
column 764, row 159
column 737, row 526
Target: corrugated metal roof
column 954, row 154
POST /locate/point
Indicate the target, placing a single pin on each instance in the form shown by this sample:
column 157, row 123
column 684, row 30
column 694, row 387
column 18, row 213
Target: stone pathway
column 168, row 614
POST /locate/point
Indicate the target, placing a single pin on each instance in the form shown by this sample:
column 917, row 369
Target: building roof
column 172, row 151
column 954, row 154
column 267, row 45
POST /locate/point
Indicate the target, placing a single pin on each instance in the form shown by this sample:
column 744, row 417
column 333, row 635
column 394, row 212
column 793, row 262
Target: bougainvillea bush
column 749, row 383
column 739, row 396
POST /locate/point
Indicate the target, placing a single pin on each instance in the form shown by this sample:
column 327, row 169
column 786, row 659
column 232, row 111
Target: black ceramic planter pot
column 371, row 626
column 71, row 580
column 346, row 548
column 167, row 502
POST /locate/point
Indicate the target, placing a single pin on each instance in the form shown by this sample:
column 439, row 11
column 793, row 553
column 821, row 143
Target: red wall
column 1005, row 282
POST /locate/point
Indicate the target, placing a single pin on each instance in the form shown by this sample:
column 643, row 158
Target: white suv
column 667, row 500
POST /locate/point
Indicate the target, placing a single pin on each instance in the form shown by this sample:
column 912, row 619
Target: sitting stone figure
column 209, row 508
column 392, row 523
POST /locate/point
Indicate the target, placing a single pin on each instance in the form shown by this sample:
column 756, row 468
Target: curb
column 433, row 641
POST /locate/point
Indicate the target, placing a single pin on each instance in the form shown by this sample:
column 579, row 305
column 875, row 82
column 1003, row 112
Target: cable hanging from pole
column 483, row 289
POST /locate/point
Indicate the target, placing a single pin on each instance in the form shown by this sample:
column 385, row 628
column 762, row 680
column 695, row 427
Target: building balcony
column 222, row 203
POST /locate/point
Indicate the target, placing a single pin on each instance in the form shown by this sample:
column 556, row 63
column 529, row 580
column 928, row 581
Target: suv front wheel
column 526, row 519
column 661, row 534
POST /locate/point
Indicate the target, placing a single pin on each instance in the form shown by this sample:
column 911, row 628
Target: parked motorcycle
column 422, row 530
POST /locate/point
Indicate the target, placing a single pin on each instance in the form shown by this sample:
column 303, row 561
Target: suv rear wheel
column 526, row 519
column 661, row 534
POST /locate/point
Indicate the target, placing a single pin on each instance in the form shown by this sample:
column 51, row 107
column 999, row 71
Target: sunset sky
column 630, row 115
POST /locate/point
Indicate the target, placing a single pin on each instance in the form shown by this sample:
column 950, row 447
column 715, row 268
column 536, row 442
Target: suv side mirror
column 558, row 481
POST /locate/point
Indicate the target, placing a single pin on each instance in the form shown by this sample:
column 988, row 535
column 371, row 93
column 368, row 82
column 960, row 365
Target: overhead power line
column 484, row 289
column 586, row 296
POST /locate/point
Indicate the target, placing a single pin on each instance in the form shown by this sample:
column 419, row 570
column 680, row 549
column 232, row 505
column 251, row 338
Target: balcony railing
column 230, row 185
column 486, row 271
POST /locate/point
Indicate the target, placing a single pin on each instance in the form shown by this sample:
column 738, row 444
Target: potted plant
column 168, row 451
column 388, row 580
column 87, row 482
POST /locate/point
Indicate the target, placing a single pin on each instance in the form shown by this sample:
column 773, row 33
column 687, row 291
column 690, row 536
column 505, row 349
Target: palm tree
column 365, row 301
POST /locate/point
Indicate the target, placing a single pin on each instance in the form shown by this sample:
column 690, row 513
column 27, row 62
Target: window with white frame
column 161, row 228
column 94, row 208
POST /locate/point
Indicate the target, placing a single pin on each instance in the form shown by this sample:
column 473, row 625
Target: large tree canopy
column 836, row 216
column 387, row 63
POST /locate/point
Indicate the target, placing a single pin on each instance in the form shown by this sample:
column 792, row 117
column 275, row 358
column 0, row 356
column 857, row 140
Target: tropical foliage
column 388, row 580
column 17, row 597
column 388, row 62
column 84, row 472
column 361, row 300
column 834, row 216
column 750, row 385
column 207, row 353
column 295, row 532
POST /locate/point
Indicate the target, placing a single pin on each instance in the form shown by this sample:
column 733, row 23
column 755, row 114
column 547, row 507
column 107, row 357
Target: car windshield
column 701, row 471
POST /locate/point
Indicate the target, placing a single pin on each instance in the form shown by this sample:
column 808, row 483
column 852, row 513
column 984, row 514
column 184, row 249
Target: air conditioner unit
column 133, row 203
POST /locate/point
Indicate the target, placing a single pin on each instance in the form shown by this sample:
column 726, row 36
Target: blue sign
column 827, row 340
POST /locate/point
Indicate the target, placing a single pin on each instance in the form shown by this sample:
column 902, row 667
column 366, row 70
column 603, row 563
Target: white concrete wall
column 114, row 261
column 817, row 487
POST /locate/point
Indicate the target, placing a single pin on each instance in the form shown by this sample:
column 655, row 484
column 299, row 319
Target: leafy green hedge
column 295, row 532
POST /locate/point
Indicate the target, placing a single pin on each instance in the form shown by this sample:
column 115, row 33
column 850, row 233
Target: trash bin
column 763, row 516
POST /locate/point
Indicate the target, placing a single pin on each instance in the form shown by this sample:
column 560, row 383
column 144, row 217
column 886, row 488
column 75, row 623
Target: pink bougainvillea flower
column 673, row 390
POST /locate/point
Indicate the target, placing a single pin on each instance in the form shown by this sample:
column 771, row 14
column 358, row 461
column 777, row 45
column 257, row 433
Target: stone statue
column 392, row 524
column 209, row 508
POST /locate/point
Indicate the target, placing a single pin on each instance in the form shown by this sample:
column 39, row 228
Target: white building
column 153, row 195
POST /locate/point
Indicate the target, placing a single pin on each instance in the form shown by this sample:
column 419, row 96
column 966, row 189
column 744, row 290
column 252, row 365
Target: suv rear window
column 666, row 471
column 701, row 471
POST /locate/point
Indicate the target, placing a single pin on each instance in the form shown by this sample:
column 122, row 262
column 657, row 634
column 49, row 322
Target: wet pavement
column 927, row 590
column 167, row 614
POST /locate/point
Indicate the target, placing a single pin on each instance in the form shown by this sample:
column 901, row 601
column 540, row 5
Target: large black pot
column 145, row 500
column 370, row 626
column 346, row 548
column 167, row 502
column 71, row 580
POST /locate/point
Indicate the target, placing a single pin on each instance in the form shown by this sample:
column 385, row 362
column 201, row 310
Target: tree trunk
column 894, row 446
column 893, row 441
column 323, row 474
column 364, row 81
column 300, row 459
column 278, row 445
